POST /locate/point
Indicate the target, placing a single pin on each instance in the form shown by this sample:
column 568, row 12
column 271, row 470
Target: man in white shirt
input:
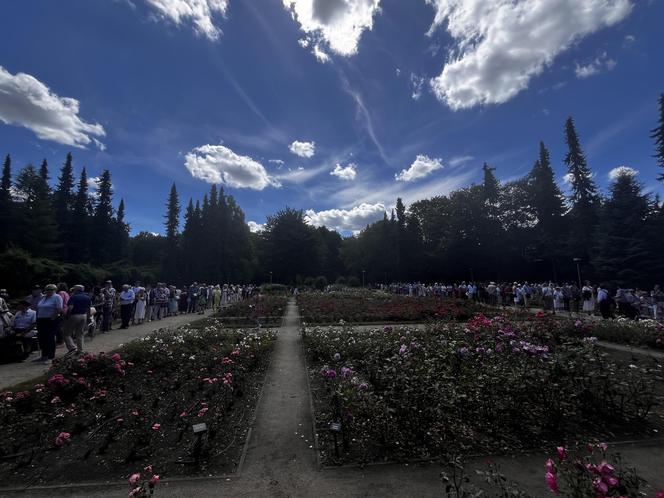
column 127, row 298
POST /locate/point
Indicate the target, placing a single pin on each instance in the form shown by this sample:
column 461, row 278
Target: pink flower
column 660, row 494
column 148, row 469
column 604, row 446
column 136, row 492
column 600, row 486
column 552, row 482
column 562, row 452
column 154, row 480
column 116, row 357
column 183, row 414
column 156, row 426
column 612, row 481
column 550, row 466
column 133, row 479
column 56, row 399
column 62, row 438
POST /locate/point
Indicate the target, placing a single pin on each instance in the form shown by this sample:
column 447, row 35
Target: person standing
column 141, row 305
column 587, row 296
column 558, row 300
column 49, row 311
column 604, row 301
column 108, row 296
column 217, row 297
column 34, row 297
column 77, row 318
column 126, row 304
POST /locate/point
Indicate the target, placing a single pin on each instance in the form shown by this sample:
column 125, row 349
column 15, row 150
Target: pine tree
column 103, row 220
column 584, row 199
column 7, row 221
column 119, row 249
column 490, row 185
column 545, row 195
column 172, row 214
column 78, row 247
column 658, row 135
column 63, row 201
column 169, row 261
column 39, row 230
column 623, row 252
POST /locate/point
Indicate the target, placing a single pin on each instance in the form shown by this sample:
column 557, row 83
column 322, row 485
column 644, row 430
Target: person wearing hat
column 49, row 310
column 23, row 324
column 35, row 296
column 78, row 316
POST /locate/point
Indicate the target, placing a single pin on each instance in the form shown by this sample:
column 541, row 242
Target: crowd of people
column 58, row 314
column 568, row 297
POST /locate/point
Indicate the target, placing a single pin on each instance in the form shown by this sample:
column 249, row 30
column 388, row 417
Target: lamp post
column 363, row 272
column 270, row 277
column 578, row 270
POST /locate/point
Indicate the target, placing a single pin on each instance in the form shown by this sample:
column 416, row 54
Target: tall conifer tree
column 658, row 135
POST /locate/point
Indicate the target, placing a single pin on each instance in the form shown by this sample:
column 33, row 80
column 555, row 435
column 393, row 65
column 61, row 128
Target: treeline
column 521, row 229
column 524, row 229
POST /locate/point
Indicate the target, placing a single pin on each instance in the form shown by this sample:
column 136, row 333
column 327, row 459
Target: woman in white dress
column 588, row 298
column 141, row 300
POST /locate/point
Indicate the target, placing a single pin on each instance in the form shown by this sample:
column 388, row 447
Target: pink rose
column 552, row 482
column 133, row 479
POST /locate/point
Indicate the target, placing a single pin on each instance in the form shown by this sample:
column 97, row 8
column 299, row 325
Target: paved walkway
column 15, row 373
column 281, row 459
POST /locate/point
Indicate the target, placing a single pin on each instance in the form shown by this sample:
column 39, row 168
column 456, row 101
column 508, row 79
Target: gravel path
column 15, row 373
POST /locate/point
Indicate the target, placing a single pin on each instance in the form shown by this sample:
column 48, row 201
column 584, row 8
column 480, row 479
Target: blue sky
column 335, row 107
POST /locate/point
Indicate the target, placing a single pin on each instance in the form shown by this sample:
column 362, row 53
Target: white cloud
column 421, row 167
column 93, row 182
column 346, row 219
column 337, row 24
column 460, row 160
column 255, row 227
column 622, row 170
column 26, row 101
column 568, row 178
column 219, row 164
column 347, row 173
column 303, row 149
column 630, row 39
column 417, row 83
column 199, row 12
column 502, row 44
column 320, row 54
column 599, row 65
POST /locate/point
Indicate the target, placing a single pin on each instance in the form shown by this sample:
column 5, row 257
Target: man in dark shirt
column 77, row 318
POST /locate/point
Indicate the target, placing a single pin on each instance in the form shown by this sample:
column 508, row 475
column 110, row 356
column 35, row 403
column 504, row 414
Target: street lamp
column 363, row 271
column 270, row 277
column 578, row 270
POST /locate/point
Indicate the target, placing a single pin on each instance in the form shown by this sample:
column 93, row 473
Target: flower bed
column 378, row 307
column 648, row 332
column 262, row 310
column 485, row 386
column 104, row 416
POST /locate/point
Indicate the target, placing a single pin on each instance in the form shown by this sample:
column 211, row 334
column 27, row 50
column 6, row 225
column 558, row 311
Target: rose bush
column 619, row 330
column 483, row 386
column 265, row 310
column 378, row 307
column 104, row 414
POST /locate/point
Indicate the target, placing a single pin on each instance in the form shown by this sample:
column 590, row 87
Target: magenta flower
column 331, row 374
column 550, row 466
column 346, row 372
column 156, row 426
column 552, row 481
column 600, row 486
column 403, row 349
column 62, row 438
column 154, row 480
column 133, row 479
column 562, row 452
column 116, row 357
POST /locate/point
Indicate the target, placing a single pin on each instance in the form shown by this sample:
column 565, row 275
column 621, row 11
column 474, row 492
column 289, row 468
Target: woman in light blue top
column 49, row 310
